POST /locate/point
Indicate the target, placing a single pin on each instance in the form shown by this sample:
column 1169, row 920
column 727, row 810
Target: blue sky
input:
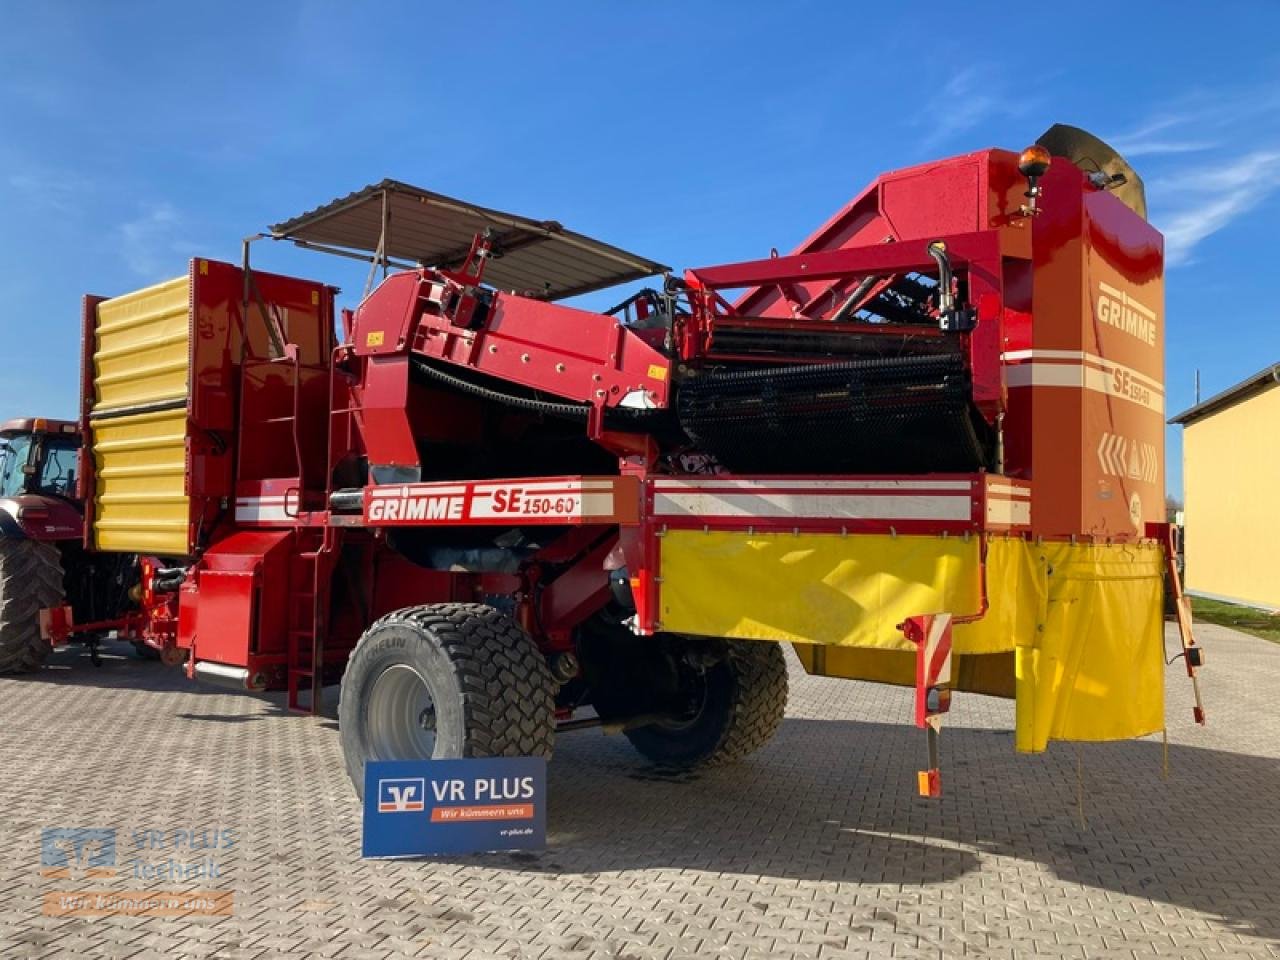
column 134, row 136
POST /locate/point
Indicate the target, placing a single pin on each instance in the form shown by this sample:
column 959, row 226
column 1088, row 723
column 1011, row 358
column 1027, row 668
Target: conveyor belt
column 901, row 414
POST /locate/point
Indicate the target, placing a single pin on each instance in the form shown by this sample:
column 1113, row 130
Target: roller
column 898, row 414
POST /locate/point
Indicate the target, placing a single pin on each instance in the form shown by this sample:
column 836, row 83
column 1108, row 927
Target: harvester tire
column 744, row 698
column 30, row 580
column 488, row 690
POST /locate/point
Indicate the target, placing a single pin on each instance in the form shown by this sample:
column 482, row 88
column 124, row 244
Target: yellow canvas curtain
column 1073, row 631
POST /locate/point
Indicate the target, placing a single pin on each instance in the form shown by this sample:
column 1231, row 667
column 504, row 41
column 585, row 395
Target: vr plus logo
column 88, row 850
column 402, row 795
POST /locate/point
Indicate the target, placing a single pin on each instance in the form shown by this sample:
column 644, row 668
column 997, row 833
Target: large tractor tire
column 740, row 702
column 443, row 681
column 30, row 580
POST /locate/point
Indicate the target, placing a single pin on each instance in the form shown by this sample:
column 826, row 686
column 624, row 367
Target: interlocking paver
column 815, row 848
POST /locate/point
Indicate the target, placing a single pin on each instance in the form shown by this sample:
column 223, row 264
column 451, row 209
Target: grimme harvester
column 925, row 448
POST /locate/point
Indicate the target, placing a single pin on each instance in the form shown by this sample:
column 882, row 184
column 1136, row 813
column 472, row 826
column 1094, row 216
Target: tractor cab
column 38, row 479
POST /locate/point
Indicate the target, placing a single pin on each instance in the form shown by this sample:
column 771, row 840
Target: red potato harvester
column 925, row 448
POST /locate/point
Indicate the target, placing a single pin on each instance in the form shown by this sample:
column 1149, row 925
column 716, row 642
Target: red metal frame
column 570, row 353
column 1192, row 654
column 979, row 256
column 931, row 634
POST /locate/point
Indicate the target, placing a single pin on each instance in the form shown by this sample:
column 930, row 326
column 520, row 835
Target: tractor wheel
column 442, row 681
column 30, row 580
column 738, row 704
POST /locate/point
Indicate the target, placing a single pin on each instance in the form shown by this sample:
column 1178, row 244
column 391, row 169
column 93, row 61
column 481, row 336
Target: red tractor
column 43, row 562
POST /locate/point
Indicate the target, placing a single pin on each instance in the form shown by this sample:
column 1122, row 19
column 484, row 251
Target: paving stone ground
column 814, row 848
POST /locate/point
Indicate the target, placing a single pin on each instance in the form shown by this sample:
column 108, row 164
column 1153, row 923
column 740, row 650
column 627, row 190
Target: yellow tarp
column 1074, row 630
column 1096, row 669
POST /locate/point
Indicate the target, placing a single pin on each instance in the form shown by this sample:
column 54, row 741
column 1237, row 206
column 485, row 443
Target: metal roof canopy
column 395, row 224
column 1262, row 380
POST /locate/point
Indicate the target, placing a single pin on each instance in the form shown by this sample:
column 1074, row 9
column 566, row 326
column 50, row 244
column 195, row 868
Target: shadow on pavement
column 833, row 801
column 121, row 666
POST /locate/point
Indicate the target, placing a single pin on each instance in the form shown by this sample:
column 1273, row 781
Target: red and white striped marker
column 931, row 633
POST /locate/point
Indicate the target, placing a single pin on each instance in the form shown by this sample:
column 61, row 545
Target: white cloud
column 150, row 243
column 1148, row 148
column 969, row 97
column 57, row 190
column 1160, row 137
column 1200, row 182
column 1213, row 197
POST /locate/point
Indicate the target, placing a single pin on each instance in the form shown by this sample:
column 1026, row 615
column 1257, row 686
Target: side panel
column 225, row 614
column 1046, row 381
column 138, row 421
column 242, row 598
column 843, row 591
column 232, row 378
column 1123, row 430
column 140, row 356
column 1088, row 397
column 164, row 378
column 140, row 500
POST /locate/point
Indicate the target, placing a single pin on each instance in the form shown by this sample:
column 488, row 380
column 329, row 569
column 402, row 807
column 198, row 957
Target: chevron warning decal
column 1124, row 457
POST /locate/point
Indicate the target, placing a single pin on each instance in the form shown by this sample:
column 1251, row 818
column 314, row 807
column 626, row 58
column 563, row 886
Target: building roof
column 532, row 256
column 1259, row 382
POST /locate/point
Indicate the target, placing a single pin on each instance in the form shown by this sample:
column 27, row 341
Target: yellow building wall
column 1231, row 484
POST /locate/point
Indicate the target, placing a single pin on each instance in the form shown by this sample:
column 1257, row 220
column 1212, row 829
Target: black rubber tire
column 30, row 580
column 744, row 698
column 492, row 692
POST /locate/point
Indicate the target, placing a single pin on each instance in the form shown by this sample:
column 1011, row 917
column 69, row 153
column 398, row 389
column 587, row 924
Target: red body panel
column 41, row 518
column 1086, row 418
column 243, row 584
column 569, row 353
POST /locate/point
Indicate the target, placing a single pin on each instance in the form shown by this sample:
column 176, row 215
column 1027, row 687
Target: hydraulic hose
column 577, row 411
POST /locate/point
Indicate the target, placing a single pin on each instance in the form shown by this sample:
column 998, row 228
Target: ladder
column 307, row 624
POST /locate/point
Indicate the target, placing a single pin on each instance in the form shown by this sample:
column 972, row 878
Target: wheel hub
column 402, row 716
